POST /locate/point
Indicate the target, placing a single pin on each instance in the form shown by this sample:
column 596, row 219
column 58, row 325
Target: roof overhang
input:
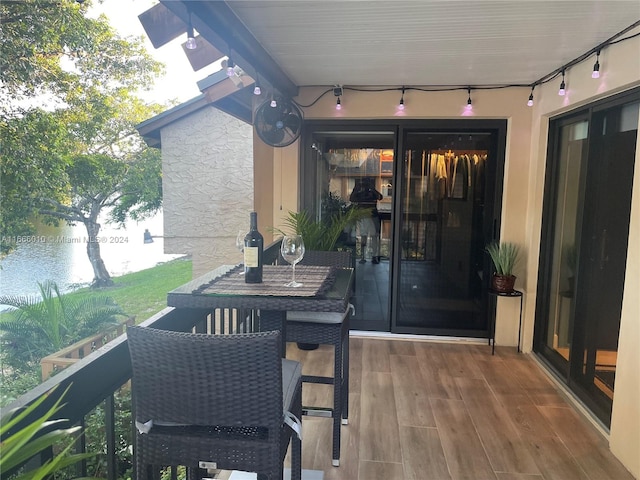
column 232, row 96
column 221, row 34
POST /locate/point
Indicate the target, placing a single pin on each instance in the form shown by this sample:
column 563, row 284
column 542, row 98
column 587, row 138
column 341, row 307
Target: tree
column 52, row 50
column 39, row 326
column 79, row 155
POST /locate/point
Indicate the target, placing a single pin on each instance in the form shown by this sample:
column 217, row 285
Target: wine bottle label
column 251, row 257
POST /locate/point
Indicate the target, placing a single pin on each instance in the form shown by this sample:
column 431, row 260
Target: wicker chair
column 226, row 402
column 327, row 328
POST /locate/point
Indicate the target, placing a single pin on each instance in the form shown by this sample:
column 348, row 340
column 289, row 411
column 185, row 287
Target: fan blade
column 273, row 136
column 293, row 123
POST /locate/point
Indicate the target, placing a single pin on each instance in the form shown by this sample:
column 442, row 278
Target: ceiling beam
column 219, row 25
column 204, row 54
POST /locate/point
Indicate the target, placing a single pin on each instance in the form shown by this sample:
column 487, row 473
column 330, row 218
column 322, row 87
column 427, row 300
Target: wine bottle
column 253, row 246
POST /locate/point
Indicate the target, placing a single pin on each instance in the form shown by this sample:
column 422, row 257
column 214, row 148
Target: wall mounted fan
column 278, row 126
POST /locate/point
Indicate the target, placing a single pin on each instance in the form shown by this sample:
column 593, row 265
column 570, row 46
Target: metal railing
column 94, row 380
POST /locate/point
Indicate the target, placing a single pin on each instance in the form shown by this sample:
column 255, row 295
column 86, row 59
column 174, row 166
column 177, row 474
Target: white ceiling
column 430, row 42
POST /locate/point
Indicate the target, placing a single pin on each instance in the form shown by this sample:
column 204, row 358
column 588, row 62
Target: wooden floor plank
column 506, row 449
column 422, row 453
column 554, row 460
column 375, row 356
column 380, row 471
column 412, row 399
column 379, row 434
column 460, row 442
column 587, row 447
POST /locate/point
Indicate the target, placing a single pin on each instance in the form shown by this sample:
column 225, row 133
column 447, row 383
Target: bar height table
column 272, row 305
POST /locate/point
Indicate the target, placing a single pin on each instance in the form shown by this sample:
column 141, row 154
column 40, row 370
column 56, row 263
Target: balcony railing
column 94, row 380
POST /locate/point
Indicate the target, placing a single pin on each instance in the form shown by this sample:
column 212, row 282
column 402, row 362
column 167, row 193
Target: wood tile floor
column 421, row 410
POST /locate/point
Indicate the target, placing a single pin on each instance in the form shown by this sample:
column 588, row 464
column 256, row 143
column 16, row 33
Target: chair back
column 328, row 259
column 206, row 380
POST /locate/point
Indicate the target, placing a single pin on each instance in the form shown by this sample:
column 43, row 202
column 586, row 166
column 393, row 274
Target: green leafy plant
column 42, row 325
column 504, row 256
column 323, row 234
column 38, row 435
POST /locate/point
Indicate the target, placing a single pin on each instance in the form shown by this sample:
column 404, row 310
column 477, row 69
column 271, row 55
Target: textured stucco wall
column 207, row 168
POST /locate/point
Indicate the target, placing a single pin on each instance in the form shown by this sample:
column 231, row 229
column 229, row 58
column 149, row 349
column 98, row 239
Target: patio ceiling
column 402, row 42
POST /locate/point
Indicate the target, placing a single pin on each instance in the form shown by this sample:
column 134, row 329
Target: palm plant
column 20, row 445
column 39, row 326
column 323, row 234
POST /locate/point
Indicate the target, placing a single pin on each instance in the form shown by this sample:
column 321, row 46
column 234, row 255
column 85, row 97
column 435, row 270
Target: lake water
column 60, row 254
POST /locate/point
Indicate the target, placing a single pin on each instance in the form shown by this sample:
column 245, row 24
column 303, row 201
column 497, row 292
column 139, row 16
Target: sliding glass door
column 584, row 246
column 446, row 217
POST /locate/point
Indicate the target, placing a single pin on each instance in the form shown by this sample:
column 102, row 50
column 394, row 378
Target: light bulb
column 469, row 105
column 191, row 40
column 257, row 90
column 530, row 101
column 596, row 66
column 338, row 104
column 230, row 68
column 273, row 103
column 562, row 90
column 401, row 104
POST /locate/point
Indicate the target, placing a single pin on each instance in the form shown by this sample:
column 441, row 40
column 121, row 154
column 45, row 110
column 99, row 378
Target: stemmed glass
column 240, row 245
column 292, row 250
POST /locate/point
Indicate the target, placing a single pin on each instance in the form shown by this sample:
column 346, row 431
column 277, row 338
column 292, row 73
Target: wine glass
column 292, row 250
column 240, row 245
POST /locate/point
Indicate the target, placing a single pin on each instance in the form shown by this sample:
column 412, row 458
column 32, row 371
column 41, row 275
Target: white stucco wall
column 207, row 168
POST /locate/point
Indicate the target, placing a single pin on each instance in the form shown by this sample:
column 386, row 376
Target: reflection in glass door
column 443, row 229
column 354, row 167
column 572, row 148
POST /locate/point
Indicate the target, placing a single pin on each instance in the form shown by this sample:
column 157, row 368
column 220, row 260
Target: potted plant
column 504, row 256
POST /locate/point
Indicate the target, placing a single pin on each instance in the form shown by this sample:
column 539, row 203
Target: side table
column 513, row 294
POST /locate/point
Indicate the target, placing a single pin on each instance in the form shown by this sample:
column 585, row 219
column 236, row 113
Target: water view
column 60, row 254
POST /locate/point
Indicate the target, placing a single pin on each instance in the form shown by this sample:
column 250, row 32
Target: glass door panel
column 605, row 234
column 356, row 167
column 571, row 150
column 442, row 233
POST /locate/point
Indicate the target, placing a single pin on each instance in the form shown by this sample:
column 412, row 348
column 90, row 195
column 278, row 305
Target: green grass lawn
column 144, row 293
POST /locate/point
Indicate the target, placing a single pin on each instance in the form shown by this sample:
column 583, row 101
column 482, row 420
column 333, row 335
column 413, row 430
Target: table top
column 193, row 294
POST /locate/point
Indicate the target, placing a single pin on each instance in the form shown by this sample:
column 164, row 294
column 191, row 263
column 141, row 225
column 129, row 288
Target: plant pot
column 503, row 283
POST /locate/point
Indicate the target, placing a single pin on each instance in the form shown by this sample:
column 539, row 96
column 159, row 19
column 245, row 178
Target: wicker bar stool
column 209, row 402
column 327, row 328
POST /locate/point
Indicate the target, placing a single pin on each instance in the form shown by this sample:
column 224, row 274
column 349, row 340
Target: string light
column 530, row 101
column 191, row 39
column 596, row 66
column 469, row 105
column 273, row 103
column 257, row 90
column 401, row 104
column 230, row 67
column 338, row 104
column 562, row 90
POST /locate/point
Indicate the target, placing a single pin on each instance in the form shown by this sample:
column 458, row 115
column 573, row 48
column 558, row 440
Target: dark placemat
column 316, row 281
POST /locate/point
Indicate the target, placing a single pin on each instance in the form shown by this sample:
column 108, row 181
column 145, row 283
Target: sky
column 180, row 81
